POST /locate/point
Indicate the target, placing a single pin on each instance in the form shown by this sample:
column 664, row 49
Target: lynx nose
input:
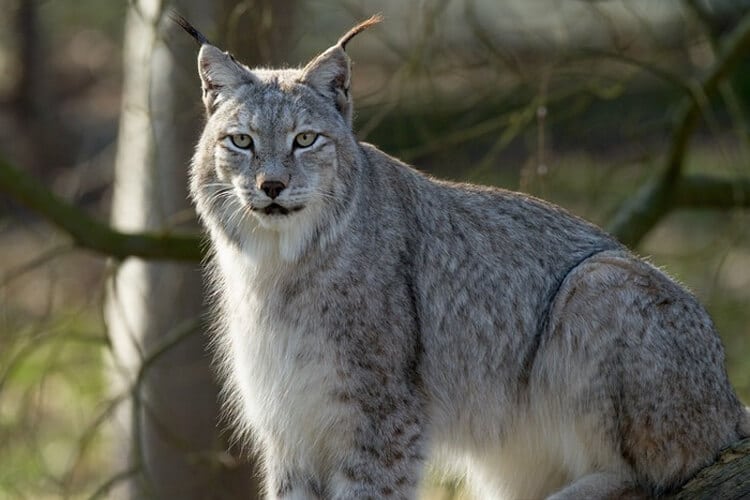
column 272, row 188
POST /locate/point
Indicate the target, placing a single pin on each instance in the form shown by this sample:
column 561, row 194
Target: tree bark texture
column 169, row 436
column 726, row 479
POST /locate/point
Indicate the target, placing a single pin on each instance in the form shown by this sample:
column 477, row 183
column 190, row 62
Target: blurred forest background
column 634, row 114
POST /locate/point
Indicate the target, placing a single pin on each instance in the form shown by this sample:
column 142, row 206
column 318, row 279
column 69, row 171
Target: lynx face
column 277, row 158
column 274, row 154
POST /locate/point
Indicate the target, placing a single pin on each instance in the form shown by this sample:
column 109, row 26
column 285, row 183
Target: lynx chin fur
column 373, row 320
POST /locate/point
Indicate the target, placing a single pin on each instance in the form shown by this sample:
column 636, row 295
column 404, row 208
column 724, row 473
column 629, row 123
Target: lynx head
column 277, row 158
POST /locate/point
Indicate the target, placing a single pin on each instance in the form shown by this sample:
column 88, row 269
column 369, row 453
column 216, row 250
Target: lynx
column 373, row 320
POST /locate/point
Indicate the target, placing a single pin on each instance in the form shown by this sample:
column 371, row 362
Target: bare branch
column 638, row 216
column 113, row 481
column 700, row 191
column 90, row 233
column 690, row 192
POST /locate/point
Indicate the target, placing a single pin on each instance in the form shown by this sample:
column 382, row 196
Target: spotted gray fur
column 373, row 319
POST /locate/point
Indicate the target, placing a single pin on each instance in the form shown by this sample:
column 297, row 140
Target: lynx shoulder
column 372, row 320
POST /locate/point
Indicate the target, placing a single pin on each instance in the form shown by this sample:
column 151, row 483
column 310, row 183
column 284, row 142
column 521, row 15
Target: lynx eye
column 242, row 141
column 305, row 139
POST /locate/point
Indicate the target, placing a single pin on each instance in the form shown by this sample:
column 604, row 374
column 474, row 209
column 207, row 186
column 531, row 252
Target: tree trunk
column 169, row 437
column 726, row 479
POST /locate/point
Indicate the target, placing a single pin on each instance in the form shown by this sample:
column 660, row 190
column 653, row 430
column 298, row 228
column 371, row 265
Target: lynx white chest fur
column 373, row 320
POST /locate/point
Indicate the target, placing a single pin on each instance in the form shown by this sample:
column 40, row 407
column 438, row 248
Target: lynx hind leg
column 646, row 356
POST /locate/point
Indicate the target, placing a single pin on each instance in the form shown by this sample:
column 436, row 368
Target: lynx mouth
column 276, row 209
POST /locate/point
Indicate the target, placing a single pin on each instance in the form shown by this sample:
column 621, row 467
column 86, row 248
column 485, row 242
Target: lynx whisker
column 321, row 193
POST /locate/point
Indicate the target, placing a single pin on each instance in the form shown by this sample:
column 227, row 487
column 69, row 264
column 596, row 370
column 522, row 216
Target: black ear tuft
column 367, row 23
column 330, row 72
column 185, row 24
column 219, row 71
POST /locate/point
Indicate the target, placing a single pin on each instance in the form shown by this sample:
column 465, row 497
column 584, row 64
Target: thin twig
column 102, row 490
column 35, row 262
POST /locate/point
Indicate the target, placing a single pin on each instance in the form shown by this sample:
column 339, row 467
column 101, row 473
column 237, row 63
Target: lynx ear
column 219, row 71
column 330, row 72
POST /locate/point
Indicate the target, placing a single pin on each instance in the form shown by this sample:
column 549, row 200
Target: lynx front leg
column 387, row 457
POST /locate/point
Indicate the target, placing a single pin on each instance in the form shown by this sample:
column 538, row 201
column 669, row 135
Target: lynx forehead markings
column 371, row 319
